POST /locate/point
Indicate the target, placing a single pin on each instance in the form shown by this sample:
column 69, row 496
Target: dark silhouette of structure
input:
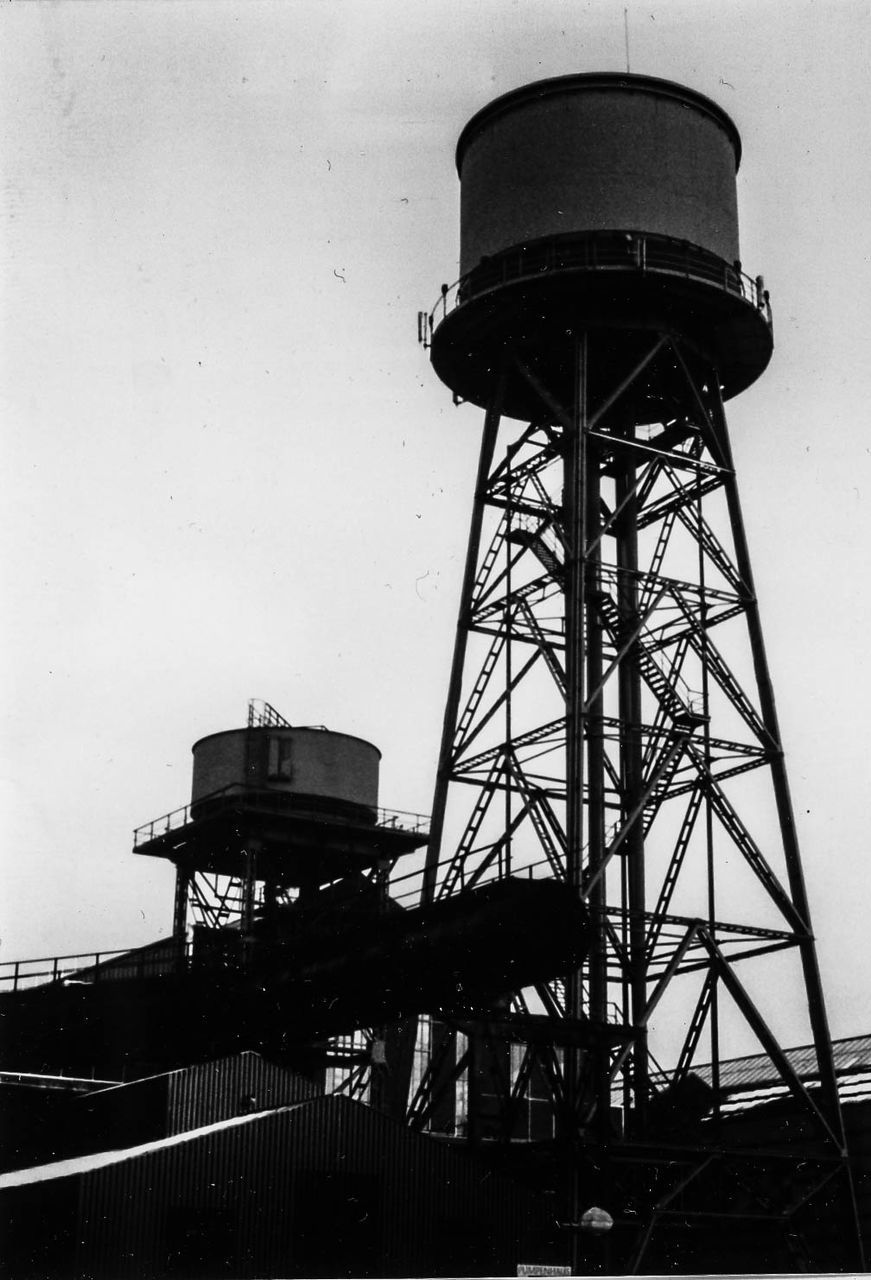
column 582, row 985
column 610, row 720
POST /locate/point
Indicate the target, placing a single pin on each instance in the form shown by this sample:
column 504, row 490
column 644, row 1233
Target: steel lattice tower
column 610, row 720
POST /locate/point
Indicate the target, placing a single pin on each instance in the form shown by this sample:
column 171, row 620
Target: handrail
column 18, row 975
column 262, row 714
column 276, row 802
column 630, row 251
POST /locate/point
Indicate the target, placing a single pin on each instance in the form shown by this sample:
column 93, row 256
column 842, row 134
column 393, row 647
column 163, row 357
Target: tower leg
column 449, row 726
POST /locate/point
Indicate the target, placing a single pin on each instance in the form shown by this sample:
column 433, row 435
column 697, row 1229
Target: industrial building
column 283, row 1183
column 382, row 1044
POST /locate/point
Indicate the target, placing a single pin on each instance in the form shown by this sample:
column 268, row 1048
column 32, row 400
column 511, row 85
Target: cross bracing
column 610, row 723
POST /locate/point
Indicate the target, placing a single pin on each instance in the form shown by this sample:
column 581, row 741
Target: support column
column 576, row 498
column 180, row 913
column 249, row 895
column 583, row 673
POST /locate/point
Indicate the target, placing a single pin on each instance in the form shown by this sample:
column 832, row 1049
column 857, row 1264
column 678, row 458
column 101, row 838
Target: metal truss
column 214, row 901
column 610, row 722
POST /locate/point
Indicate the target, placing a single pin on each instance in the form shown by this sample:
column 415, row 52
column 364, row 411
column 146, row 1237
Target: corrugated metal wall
column 160, row 1106
column 213, row 1091
column 122, row 1116
column 247, row 1197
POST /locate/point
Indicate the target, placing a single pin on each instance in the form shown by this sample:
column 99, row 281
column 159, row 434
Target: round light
column 596, row 1221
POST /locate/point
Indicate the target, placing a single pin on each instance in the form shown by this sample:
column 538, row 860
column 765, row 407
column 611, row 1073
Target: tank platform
column 296, row 842
column 619, row 287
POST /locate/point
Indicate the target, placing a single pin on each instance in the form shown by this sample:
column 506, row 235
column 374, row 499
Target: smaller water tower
column 277, row 811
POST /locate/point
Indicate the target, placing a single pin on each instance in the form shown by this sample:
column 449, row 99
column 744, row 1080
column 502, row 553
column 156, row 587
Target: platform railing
column 277, row 802
column 629, row 251
column 88, row 967
column 161, row 826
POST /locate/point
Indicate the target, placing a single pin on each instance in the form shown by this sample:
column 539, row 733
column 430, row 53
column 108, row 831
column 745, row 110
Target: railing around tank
column 274, row 803
column 161, row 826
column 416, row 823
column 262, row 714
column 628, row 251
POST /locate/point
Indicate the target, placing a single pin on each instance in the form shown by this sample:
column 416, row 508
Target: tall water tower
column 610, row 719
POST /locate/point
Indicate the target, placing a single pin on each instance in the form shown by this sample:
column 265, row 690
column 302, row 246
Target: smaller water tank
column 311, row 770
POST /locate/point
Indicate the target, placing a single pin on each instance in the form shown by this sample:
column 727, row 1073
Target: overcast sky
column 229, row 470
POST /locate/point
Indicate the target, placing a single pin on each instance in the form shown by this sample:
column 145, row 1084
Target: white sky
column 229, row 471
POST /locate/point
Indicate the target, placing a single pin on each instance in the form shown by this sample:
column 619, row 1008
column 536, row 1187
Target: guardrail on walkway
column 260, row 802
column 629, row 251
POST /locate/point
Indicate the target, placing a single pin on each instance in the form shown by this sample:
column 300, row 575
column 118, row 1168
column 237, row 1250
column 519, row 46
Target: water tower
column 277, row 812
column 610, row 720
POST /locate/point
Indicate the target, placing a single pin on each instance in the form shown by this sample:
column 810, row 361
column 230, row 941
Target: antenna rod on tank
column 626, row 34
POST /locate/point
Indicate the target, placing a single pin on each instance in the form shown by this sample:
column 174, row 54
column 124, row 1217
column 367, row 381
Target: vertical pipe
column 585, row 754
column 180, row 913
column 596, row 841
column 379, row 1095
column 632, row 781
column 714, row 1008
column 505, row 855
column 575, row 500
column 270, row 904
column 595, row 744
column 249, row 892
column 625, row 982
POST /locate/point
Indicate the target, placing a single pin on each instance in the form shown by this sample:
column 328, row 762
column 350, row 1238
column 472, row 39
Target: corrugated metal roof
column 274, row 1182
column 105, row 1159
column 851, row 1054
column 754, row 1080
column 241, row 1084
column 852, row 1088
column 274, row 1190
column 128, row 1115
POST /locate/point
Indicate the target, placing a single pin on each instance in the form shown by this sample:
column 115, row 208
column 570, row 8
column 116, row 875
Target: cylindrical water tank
column 593, row 153
column 316, row 771
column 602, row 203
